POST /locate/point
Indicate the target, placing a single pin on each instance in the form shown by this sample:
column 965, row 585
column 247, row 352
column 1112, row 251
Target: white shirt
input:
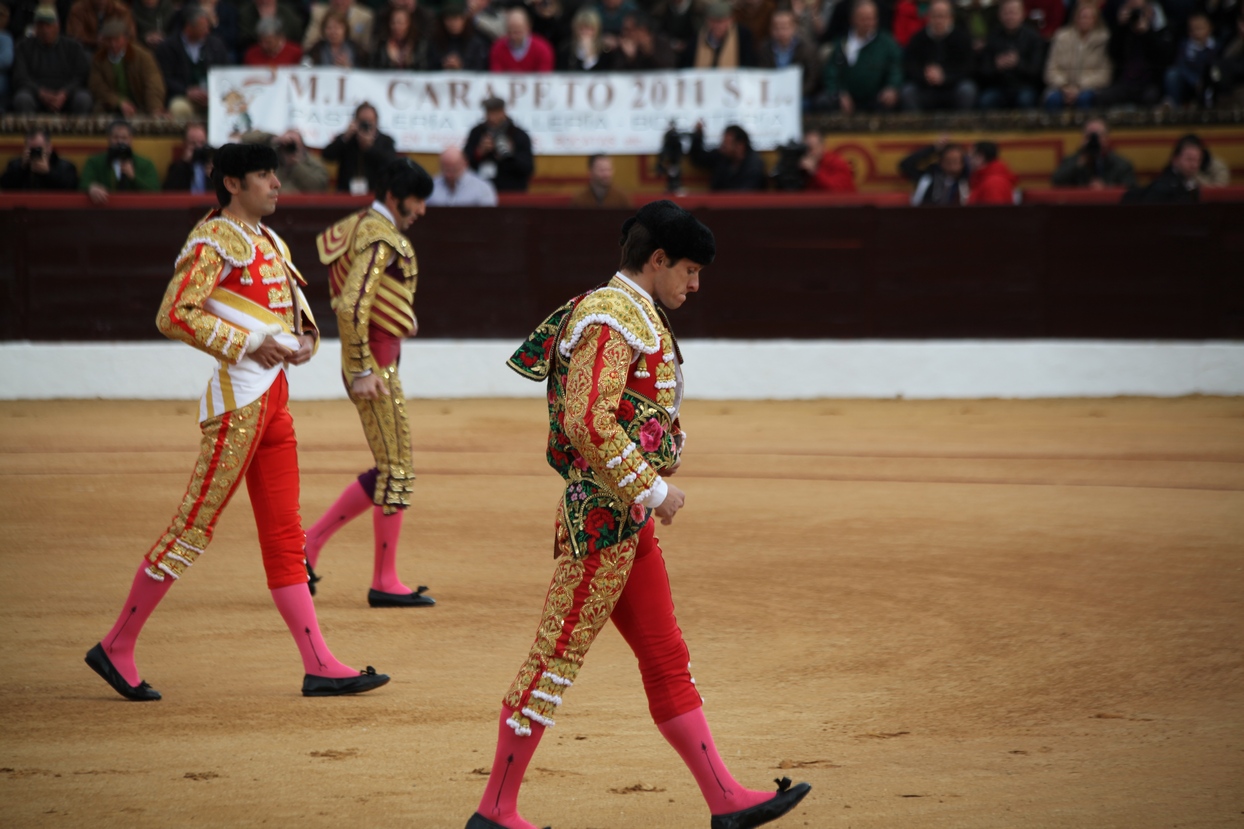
column 469, row 191
column 854, row 44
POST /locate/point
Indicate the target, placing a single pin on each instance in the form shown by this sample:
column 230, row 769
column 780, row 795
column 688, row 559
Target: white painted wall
column 715, row 369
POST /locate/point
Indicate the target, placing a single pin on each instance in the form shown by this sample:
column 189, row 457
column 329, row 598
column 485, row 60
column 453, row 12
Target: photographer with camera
column 118, row 169
column 1095, row 164
column 499, row 151
column 39, row 167
column 361, row 153
column 298, row 170
column 734, row 166
column 192, row 172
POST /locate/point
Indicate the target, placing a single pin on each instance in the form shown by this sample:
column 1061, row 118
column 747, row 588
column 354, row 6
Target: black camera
column 287, row 147
column 669, row 161
column 201, row 155
column 788, row 171
column 120, row 152
column 366, row 126
column 36, row 152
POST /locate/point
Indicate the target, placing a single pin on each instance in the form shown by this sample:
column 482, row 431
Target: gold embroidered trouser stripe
column 387, row 429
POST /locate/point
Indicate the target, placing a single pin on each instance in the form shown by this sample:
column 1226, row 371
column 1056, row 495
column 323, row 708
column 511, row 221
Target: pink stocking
column 145, row 594
column 352, row 503
column 500, row 801
column 689, row 735
column 388, row 528
column 298, row 611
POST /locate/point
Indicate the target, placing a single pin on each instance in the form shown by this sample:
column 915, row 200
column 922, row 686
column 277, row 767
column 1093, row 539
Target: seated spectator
column 1046, row 16
column 250, row 13
column 786, row 48
column 600, row 191
column 1012, row 61
column 734, row 165
column 1178, row 183
column 611, row 14
column 152, row 19
column 1187, row 82
column 824, row 171
column 335, row 47
column 1078, row 66
column 87, row 16
column 641, row 48
column 584, row 51
column 6, row 57
column 680, row 21
column 520, row 50
column 457, row 186
column 118, row 170
column 360, row 22
column 298, row 170
column 940, row 172
column 1095, row 164
column 551, row 22
column 50, row 72
column 722, row 43
column 422, row 20
column 192, row 172
column 185, row 59
column 39, row 167
column 910, row 17
column 125, row 79
column 1228, row 72
column 272, row 49
column 865, row 68
column 1140, row 51
column 223, row 22
column 404, row 48
column 456, row 45
column 499, row 151
column 991, row 181
column 361, row 153
column 937, row 64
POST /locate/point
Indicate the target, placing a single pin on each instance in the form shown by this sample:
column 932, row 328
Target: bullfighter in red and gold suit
column 235, row 295
column 372, row 274
column 614, row 391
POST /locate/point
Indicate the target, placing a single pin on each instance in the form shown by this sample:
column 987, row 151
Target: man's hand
column 1070, row 92
column 888, row 97
column 846, row 103
column 485, row 146
column 371, row 387
column 128, row 109
column 271, row 353
column 933, row 75
column 197, row 95
column 306, row 344
column 98, row 194
column 674, row 501
column 127, row 169
column 1007, row 60
column 39, row 165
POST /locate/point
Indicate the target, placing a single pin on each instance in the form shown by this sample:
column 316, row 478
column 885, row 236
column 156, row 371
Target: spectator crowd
column 151, row 57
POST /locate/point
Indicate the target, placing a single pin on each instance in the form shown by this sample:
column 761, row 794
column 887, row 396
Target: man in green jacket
column 118, row 169
column 865, row 68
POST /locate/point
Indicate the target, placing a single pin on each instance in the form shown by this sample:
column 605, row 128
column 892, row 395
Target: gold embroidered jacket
column 614, row 386
column 372, row 277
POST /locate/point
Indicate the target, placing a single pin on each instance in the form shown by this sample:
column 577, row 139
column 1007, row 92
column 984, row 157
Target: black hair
column 740, row 135
column 119, row 122
column 404, row 178
column 987, row 150
column 235, row 161
column 591, row 159
column 1192, row 140
column 366, row 105
column 663, row 225
column 33, row 131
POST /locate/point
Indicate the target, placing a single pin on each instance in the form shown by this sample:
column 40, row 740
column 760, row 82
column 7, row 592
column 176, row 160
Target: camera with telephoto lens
column 287, row 147
column 669, row 161
column 120, row 152
column 787, row 172
column 36, row 152
column 1092, row 148
column 366, row 126
column 201, row 155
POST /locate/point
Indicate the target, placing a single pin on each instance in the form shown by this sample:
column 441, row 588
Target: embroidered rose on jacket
column 599, row 524
column 650, row 435
column 638, row 513
column 626, row 411
column 580, row 463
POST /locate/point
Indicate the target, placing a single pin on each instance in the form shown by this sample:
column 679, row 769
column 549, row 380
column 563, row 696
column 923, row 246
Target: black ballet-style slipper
column 787, row 798
column 312, row 578
column 478, row 821
column 102, row 665
column 377, row 599
column 327, row 686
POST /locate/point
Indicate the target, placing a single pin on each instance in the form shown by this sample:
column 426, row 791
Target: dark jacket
column 353, row 162
column 61, row 175
column 878, row 66
column 1025, row 42
column 1113, row 169
column 471, row 48
column 805, row 57
column 746, row 176
column 1168, row 188
column 933, row 184
column 514, row 171
column 180, row 72
column 180, row 177
column 63, row 66
column 953, row 53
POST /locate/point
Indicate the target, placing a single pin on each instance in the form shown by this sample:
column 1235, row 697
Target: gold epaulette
column 618, row 310
column 225, row 237
column 335, row 242
column 373, row 228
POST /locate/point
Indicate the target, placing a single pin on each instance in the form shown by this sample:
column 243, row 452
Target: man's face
column 675, row 280
column 782, row 29
column 864, row 20
column 47, row 32
column 940, row 19
column 814, row 145
column 198, row 30
column 453, row 163
column 1188, row 162
column 1097, row 128
column 405, row 211
column 1086, row 19
column 195, row 137
column 516, row 29
column 494, row 117
column 602, row 172
column 1011, row 15
column 257, row 192
column 115, row 44
column 272, row 44
column 718, row 27
column 952, row 162
column 367, row 120
column 1198, row 29
column 40, row 142
column 120, row 137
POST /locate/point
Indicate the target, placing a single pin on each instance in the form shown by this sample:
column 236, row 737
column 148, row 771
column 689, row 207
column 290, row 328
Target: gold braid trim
column 618, row 310
column 182, row 316
column 358, row 294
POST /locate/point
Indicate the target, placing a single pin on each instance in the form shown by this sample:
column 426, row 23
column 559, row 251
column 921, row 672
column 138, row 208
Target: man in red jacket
column 826, row 170
column 992, row 182
column 520, row 50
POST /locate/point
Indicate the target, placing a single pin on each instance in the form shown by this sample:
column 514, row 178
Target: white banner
column 569, row 113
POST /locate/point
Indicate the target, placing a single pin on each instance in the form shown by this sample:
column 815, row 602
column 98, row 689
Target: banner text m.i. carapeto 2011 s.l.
column 571, row 113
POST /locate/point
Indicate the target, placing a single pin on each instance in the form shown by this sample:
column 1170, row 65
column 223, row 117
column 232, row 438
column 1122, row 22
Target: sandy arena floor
column 941, row 614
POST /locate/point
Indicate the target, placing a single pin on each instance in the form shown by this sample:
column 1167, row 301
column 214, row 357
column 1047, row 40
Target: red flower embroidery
column 596, row 520
column 529, row 359
column 638, row 514
column 650, row 435
column 626, row 410
column 580, row 463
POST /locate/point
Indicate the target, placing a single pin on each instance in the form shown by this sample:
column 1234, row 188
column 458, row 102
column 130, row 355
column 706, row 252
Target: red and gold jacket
column 614, row 389
column 230, row 281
